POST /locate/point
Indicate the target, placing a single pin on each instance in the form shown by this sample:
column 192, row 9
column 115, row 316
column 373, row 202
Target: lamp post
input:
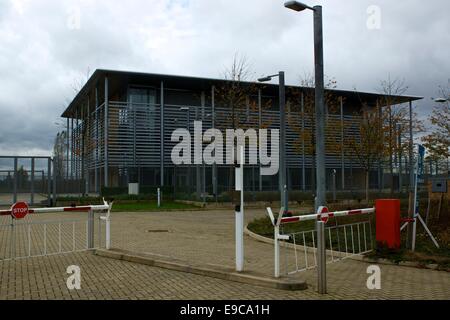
column 319, row 99
column 282, row 149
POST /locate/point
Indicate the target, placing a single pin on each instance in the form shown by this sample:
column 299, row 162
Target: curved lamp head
column 296, row 6
column 264, row 79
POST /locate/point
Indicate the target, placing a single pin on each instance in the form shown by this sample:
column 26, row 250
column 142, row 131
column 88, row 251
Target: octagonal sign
column 19, row 210
column 324, row 214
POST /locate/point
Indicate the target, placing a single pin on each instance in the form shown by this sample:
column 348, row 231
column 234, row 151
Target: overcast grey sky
column 45, row 45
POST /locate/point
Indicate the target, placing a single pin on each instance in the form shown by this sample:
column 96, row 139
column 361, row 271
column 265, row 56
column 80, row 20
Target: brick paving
column 205, row 237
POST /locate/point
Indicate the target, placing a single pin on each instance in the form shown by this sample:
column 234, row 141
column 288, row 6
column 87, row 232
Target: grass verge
column 152, row 206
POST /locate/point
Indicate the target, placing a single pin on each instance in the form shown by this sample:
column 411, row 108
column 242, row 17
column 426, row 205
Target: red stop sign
column 19, row 210
column 323, row 211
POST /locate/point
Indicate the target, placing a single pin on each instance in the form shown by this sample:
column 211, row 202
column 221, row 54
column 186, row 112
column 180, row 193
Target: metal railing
column 33, row 238
column 341, row 242
column 338, row 241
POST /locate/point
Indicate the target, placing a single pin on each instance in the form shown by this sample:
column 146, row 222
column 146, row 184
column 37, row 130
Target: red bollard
column 388, row 223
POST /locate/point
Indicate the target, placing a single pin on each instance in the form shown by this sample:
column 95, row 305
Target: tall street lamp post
column 282, row 148
column 319, row 99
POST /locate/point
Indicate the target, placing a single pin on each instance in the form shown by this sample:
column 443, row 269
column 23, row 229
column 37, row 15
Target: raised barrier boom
column 324, row 214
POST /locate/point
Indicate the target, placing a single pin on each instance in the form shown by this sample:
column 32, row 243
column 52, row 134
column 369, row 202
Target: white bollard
column 108, row 233
column 239, row 214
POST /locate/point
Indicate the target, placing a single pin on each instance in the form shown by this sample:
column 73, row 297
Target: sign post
column 19, row 211
column 239, row 212
column 419, row 179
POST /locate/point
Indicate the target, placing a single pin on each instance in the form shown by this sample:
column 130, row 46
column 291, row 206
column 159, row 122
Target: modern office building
column 120, row 126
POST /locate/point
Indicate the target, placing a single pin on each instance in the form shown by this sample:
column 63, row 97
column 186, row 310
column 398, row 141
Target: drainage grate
column 158, row 231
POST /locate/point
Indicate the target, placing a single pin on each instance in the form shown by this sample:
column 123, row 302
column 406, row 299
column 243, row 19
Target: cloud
column 46, row 44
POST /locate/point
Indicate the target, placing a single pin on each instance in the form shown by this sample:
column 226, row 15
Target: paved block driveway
column 206, row 237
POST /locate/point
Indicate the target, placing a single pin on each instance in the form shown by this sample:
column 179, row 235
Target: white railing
column 340, row 241
column 25, row 238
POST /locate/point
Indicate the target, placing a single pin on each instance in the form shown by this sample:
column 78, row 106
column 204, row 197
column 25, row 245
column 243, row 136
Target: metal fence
column 56, row 232
column 341, row 242
column 306, row 250
column 26, row 179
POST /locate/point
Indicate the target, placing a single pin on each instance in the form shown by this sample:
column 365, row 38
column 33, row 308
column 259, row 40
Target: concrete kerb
column 218, row 272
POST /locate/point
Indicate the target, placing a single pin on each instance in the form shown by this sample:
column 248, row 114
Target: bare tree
column 302, row 115
column 437, row 141
column 233, row 93
column 234, row 97
column 395, row 113
column 59, row 152
column 367, row 147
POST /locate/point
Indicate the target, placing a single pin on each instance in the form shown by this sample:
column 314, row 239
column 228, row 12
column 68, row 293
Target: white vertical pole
column 240, row 215
column 29, row 240
column 90, row 229
column 277, row 251
column 13, row 239
column 108, row 230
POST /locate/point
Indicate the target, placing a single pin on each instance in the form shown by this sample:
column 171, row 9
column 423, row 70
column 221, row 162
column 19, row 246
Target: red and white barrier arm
column 326, row 215
column 61, row 209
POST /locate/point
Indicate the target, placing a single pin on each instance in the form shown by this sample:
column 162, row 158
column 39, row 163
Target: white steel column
column 213, row 119
column 342, row 146
column 162, row 134
column 87, row 146
column 96, row 180
column 106, row 172
column 303, row 143
column 260, row 127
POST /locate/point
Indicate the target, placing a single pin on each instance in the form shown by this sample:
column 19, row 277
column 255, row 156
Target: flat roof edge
column 98, row 73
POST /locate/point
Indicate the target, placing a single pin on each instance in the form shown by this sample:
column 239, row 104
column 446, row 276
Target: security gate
column 75, row 229
column 301, row 249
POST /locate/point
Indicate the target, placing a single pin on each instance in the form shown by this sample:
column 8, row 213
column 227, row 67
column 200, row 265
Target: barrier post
column 108, row 230
column 13, row 240
column 277, row 237
column 91, row 229
column 277, row 250
column 239, row 214
column 321, row 258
